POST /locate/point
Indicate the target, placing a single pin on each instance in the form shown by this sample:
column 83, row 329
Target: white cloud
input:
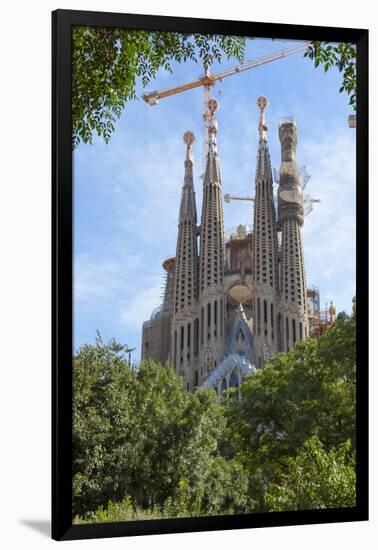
column 141, row 305
column 329, row 231
column 128, row 286
column 97, row 279
column 147, row 185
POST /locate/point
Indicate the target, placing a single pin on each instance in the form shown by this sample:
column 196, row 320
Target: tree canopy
column 315, row 479
column 307, row 392
column 138, row 436
column 144, row 448
column 108, row 63
column 341, row 55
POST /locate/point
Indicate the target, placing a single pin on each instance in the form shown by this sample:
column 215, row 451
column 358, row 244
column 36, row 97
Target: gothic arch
column 229, row 373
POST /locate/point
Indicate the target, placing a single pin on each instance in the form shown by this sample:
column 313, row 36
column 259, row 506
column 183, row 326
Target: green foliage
column 342, row 56
column 120, row 511
column 308, row 391
column 108, row 62
column 143, row 448
column 138, row 434
column 316, row 479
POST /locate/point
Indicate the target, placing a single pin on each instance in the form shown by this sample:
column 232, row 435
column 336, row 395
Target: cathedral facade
column 232, row 303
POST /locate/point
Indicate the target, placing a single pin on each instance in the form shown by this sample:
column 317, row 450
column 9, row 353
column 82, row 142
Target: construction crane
column 208, row 80
column 229, row 198
column 308, row 200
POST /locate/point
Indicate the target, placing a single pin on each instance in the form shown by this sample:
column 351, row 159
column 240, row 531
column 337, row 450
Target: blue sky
column 127, row 193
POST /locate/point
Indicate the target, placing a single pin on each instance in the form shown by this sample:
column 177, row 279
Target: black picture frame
column 62, row 232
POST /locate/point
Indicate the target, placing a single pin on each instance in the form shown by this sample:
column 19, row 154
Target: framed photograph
column 210, row 274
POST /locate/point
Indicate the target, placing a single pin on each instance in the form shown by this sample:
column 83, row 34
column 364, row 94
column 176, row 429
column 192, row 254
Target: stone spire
column 212, row 230
column 211, row 269
column 186, row 272
column 292, row 271
column 186, row 251
column 265, row 250
column 188, row 209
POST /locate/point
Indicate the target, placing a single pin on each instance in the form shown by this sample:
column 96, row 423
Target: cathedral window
column 287, row 334
column 294, row 331
column 221, row 317
column 202, row 325
column 258, row 316
column 265, row 312
column 175, row 350
column 196, row 330
column 181, row 338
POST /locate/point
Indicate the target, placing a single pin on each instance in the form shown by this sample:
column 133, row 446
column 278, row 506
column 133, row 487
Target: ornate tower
column 294, row 319
column 184, row 321
column 156, row 332
column 265, row 251
column 211, row 269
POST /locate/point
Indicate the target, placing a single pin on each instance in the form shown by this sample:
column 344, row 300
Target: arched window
column 240, row 335
column 258, row 316
column 287, row 335
column 202, row 323
column 215, row 317
column 196, row 333
column 181, row 338
column 234, row 379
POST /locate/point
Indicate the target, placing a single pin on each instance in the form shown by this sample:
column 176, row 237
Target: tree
column 145, row 448
column 108, row 63
column 341, row 55
column 138, row 436
column 102, row 381
column 316, row 478
column 307, row 392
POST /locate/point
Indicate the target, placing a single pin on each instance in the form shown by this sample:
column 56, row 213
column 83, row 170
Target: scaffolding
column 319, row 319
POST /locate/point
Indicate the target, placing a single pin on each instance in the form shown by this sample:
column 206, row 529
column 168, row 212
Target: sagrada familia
column 229, row 305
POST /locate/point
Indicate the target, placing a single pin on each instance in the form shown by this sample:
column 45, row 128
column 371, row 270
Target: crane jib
column 209, row 80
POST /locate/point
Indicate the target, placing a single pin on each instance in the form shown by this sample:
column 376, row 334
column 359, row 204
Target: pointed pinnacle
column 262, row 104
column 189, row 138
